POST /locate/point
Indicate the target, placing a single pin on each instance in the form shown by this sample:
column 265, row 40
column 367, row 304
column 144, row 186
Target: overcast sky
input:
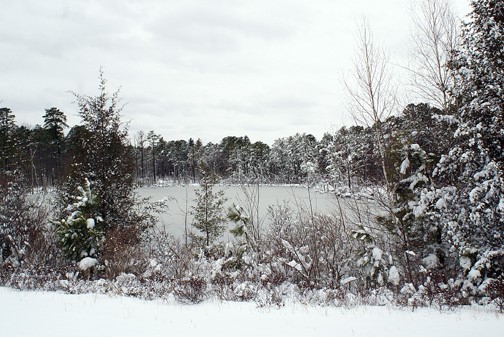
column 195, row 68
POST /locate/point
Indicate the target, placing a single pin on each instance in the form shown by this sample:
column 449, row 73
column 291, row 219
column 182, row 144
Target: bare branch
column 371, row 92
column 435, row 37
column 372, row 95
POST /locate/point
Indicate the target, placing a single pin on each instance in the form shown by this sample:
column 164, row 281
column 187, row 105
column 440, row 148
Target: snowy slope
column 56, row 314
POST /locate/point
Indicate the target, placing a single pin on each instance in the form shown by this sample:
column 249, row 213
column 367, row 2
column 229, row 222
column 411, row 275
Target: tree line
column 347, row 157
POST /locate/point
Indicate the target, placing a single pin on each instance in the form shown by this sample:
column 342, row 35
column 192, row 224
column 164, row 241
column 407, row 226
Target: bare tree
column 371, row 91
column 435, row 37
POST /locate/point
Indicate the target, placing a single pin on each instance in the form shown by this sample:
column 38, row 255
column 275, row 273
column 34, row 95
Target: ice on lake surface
column 181, row 198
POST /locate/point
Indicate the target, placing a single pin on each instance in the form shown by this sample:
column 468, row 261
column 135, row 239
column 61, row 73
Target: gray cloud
column 192, row 68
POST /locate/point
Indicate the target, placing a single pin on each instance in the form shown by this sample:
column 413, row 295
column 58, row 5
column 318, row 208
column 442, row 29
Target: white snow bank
column 55, row 314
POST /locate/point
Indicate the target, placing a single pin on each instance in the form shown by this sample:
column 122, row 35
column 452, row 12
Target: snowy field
column 55, row 314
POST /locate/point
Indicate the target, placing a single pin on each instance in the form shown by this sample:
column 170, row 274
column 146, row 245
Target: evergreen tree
column 80, row 233
column 153, row 140
column 208, row 213
column 473, row 169
column 347, row 155
column 42, row 162
column 140, row 145
column 54, row 124
column 7, row 139
column 420, row 137
column 195, row 152
column 26, row 148
column 75, row 167
column 233, row 157
column 410, row 236
column 102, row 156
column 174, row 159
column 258, row 161
column 291, row 158
column 279, row 161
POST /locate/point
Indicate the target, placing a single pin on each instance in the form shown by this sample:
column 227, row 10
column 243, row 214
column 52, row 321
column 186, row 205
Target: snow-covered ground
column 56, row 314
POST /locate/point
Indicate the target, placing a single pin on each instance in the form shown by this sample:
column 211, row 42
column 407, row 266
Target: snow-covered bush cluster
column 303, row 257
column 25, row 242
column 80, row 233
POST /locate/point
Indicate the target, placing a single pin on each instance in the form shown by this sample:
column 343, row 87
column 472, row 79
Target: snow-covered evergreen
column 209, row 218
column 81, row 232
column 471, row 201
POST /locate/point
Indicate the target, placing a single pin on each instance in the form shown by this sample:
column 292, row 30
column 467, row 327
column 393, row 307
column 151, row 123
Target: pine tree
column 259, row 161
column 347, row 155
column 192, row 158
column 208, row 213
column 25, row 150
column 54, row 124
column 80, row 233
column 140, row 145
column 420, row 138
column 415, row 142
column 153, row 140
column 473, row 169
column 7, row 139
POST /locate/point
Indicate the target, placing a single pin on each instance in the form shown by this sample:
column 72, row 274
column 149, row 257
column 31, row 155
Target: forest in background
column 346, row 158
column 435, row 169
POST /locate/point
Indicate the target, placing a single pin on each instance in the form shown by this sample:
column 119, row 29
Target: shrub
column 23, row 240
column 80, row 233
column 190, row 290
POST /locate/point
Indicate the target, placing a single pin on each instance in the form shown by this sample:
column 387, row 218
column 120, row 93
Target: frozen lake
column 181, row 198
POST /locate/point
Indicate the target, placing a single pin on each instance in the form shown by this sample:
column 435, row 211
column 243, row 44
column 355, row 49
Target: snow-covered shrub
column 129, row 247
column 168, row 258
column 172, row 261
column 494, row 289
column 308, row 249
column 434, row 289
column 34, row 279
column 80, row 233
column 323, row 297
column 479, row 269
column 129, row 284
column 274, row 296
column 376, row 266
column 190, row 289
column 246, row 291
column 121, row 252
column 23, row 240
column 413, row 234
